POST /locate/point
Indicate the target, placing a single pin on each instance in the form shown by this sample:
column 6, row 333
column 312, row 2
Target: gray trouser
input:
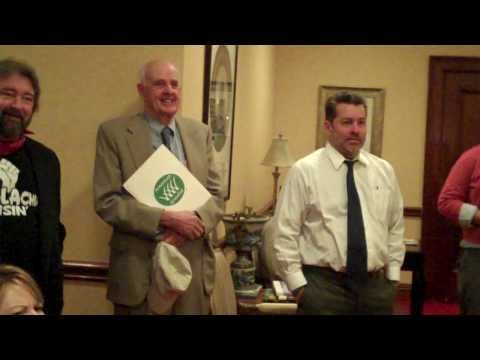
column 333, row 293
column 469, row 281
column 130, row 310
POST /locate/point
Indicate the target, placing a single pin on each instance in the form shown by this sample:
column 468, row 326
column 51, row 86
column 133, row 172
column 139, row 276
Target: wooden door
column 453, row 125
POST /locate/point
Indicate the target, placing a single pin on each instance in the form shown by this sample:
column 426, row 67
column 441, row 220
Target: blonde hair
column 10, row 275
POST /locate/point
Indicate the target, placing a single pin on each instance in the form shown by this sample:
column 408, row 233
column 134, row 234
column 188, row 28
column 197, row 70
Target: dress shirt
column 311, row 215
column 156, row 132
column 460, row 195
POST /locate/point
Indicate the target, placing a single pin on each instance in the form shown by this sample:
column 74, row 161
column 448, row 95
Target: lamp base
column 276, row 175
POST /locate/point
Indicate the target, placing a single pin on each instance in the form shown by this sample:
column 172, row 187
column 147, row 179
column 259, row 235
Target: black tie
column 167, row 135
column 356, row 249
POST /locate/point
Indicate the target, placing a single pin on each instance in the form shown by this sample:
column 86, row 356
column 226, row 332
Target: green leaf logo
column 169, row 190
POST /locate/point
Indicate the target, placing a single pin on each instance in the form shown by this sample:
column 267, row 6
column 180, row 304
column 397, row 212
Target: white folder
column 158, row 183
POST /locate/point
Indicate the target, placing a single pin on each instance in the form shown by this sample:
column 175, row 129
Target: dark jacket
column 46, row 168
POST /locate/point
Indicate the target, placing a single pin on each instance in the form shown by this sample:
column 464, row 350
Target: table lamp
column 278, row 156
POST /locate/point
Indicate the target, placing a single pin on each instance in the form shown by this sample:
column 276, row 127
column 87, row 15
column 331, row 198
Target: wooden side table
column 414, row 262
column 256, row 306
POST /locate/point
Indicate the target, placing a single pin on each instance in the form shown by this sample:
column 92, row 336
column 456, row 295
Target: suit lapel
column 190, row 145
column 139, row 139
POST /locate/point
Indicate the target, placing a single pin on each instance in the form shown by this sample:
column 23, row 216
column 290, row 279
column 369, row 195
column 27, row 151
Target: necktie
column 167, row 135
column 356, row 248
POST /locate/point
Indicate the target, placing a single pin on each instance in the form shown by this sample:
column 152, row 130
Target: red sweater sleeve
column 455, row 191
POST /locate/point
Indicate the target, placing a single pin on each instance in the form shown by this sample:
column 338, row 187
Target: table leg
column 417, row 293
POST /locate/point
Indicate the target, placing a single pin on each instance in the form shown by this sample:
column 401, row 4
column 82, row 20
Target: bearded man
column 31, row 234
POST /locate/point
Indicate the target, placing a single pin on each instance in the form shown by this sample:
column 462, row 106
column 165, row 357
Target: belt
column 375, row 274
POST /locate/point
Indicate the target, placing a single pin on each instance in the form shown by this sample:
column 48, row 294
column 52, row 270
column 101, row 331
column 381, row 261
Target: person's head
column 159, row 86
column 19, row 97
column 346, row 123
column 19, row 293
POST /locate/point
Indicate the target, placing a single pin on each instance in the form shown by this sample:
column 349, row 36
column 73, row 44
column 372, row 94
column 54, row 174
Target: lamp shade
column 278, row 154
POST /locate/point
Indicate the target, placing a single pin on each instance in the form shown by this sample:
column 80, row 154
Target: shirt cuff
column 295, row 280
column 159, row 234
column 465, row 217
column 393, row 272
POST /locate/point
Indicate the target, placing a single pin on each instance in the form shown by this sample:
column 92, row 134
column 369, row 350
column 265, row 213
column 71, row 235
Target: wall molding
column 85, row 270
column 412, row 212
column 98, row 271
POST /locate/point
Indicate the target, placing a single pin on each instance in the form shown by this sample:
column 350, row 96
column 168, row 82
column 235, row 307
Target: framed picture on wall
column 219, row 105
column 375, row 99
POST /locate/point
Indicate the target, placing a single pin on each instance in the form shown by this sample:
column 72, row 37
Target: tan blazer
column 122, row 146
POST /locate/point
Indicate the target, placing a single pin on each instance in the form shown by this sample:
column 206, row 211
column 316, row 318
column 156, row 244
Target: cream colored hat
column 171, row 276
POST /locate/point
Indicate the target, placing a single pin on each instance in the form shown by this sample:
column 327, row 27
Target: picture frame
column 375, row 99
column 219, row 105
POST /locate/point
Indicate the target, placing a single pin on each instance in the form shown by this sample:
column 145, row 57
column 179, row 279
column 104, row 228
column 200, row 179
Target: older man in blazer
column 123, row 145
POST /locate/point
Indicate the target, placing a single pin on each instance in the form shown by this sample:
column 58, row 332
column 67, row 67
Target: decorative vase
column 244, row 233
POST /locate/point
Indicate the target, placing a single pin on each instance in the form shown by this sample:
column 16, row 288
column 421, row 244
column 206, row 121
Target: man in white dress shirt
column 339, row 221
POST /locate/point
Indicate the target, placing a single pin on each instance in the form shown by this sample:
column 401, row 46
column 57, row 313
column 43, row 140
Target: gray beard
column 11, row 128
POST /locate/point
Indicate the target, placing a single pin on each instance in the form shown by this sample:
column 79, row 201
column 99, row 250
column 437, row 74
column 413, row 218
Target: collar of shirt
column 338, row 159
column 157, row 128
